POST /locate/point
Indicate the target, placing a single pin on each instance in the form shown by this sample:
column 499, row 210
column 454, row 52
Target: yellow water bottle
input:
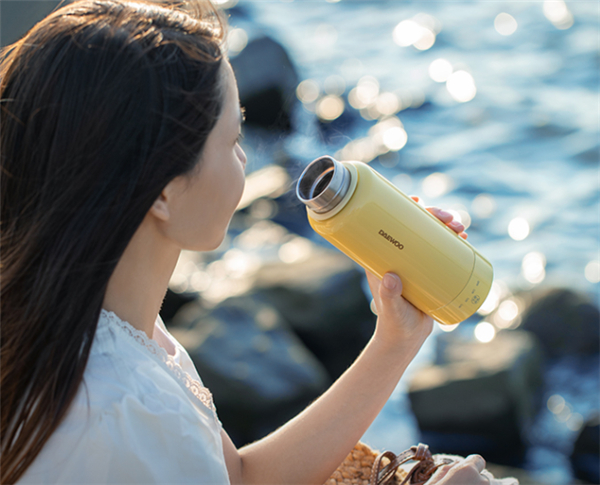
column 383, row 230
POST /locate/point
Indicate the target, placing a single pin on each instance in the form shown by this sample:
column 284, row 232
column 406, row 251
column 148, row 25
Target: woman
column 120, row 125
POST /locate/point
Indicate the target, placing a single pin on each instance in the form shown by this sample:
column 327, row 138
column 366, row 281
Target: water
column 528, row 139
column 519, row 160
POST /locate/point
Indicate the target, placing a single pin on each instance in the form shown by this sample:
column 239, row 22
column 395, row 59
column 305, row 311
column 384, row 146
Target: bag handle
column 418, row 474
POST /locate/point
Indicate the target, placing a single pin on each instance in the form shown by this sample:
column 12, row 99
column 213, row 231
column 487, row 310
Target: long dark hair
column 102, row 104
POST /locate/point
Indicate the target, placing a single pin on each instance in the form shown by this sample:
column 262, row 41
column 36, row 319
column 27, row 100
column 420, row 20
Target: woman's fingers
column 477, row 461
column 448, row 219
column 467, row 471
column 442, row 215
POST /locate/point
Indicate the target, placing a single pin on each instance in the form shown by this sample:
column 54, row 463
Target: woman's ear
column 160, row 207
column 165, row 205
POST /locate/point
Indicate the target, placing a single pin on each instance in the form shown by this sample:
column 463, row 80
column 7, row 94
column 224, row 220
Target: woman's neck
column 139, row 283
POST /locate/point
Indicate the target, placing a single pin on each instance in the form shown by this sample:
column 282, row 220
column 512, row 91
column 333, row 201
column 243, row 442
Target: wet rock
column 259, row 372
column 565, row 322
column 267, row 83
column 585, row 458
column 482, row 399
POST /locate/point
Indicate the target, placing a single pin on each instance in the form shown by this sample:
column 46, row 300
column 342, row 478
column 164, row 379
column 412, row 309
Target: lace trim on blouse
column 200, row 392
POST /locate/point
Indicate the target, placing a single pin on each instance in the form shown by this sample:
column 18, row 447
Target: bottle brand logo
column 395, row 242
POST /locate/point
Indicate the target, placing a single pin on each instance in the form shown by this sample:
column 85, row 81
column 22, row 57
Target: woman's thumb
column 392, row 283
column 390, row 289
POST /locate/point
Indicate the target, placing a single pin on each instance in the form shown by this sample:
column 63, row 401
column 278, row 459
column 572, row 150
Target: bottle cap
column 323, row 184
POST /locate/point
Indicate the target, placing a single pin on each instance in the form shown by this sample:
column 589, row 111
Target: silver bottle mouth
column 323, row 184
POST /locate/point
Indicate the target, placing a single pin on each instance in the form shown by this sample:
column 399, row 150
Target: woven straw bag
column 364, row 466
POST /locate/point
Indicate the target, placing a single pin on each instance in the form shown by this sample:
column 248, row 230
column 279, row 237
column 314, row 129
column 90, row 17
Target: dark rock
column 482, row 400
column 331, row 314
column 260, row 374
column 585, row 458
column 565, row 323
column 173, row 302
column 267, row 83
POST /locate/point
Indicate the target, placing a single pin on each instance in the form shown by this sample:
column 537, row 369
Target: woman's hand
column 446, row 218
column 399, row 323
column 464, row 472
column 468, row 471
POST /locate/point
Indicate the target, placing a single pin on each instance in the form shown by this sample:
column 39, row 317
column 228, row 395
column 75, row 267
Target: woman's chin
column 209, row 244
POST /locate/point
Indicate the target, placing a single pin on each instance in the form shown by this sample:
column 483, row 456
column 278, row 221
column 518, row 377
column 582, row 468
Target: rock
column 482, row 400
column 173, row 302
column 565, row 323
column 330, row 314
column 267, row 83
column 585, row 458
column 260, row 374
column 317, row 290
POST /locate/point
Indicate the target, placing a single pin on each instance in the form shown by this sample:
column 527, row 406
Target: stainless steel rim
column 323, row 184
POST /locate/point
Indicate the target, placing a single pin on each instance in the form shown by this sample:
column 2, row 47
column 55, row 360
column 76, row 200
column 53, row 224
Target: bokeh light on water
column 518, row 228
column 365, row 93
column 461, row 86
column 505, row 24
column 440, row 70
column 592, row 272
column 563, row 412
column 492, row 300
column 485, row 332
column 534, row 267
column 557, row 12
column 237, row 40
column 330, row 107
column 436, row 184
column 409, row 32
column 308, row 91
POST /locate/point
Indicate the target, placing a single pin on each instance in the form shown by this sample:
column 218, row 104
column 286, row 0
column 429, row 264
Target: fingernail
column 390, row 281
column 443, row 213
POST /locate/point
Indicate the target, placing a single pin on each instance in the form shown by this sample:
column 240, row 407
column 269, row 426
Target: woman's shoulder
column 132, row 420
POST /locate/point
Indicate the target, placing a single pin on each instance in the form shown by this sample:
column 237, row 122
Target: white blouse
column 141, row 415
